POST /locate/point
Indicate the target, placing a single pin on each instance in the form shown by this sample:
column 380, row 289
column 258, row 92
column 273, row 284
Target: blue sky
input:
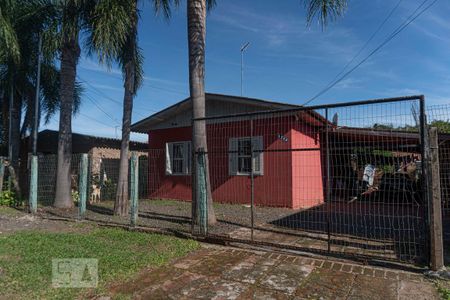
column 286, row 61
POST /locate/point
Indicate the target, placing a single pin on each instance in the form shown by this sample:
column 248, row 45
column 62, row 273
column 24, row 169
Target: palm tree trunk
column 196, row 38
column 121, row 205
column 16, row 116
column 70, row 53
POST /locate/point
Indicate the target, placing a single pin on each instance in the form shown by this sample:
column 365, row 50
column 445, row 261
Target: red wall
column 291, row 179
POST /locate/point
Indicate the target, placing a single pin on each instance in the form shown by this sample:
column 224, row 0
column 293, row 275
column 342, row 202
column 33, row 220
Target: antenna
column 243, row 48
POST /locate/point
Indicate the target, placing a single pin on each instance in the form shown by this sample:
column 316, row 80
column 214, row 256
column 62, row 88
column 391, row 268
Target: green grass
column 444, row 292
column 26, row 258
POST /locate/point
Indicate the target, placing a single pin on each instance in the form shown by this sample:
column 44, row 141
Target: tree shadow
column 365, row 226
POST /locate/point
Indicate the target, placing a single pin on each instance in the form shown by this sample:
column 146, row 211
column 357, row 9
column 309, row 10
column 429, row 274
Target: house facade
column 284, row 150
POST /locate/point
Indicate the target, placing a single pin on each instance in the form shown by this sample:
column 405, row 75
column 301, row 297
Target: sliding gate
column 341, row 179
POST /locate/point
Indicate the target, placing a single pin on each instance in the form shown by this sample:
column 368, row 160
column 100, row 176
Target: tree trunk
column 196, row 38
column 121, row 205
column 16, row 115
column 70, row 53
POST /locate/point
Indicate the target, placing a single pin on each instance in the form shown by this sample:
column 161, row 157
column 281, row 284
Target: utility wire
column 102, row 110
column 95, row 120
column 103, row 95
column 399, row 29
column 367, row 42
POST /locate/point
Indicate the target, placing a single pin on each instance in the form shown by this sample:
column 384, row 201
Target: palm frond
column 324, row 10
column 108, row 26
column 8, row 37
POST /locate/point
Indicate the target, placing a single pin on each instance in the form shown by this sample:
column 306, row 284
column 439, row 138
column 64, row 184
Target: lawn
column 26, row 258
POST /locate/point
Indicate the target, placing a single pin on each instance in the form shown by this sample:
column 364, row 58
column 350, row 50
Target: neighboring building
column 98, row 148
column 104, row 154
column 279, row 172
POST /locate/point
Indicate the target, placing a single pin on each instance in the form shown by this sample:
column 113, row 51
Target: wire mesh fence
column 343, row 179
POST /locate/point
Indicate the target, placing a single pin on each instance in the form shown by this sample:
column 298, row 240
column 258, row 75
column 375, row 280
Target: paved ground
column 224, row 273
column 357, row 228
column 227, row 273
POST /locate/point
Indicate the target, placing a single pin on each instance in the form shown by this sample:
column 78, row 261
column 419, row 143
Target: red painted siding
column 291, row 178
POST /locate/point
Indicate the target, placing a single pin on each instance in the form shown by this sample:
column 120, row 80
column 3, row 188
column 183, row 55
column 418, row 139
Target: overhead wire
column 399, row 29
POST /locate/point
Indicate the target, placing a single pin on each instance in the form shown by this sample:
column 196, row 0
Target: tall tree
column 72, row 13
column 130, row 60
column 77, row 16
column 196, row 19
column 127, row 54
column 322, row 10
column 21, row 23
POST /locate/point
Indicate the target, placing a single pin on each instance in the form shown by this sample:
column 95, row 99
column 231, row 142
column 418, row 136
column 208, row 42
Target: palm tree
column 130, row 60
column 129, row 57
column 21, row 24
column 323, row 10
column 72, row 18
column 78, row 15
column 196, row 14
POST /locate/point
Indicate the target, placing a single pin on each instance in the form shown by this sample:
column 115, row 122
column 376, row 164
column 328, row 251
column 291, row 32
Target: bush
column 8, row 198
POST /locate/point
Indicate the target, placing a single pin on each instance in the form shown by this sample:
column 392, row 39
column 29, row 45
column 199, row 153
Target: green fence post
column 202, row 195
column 2, row 172
column 33, row 185
column 82, row 189
column 134, row 193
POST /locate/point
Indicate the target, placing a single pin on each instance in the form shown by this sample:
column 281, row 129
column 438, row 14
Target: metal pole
column 83, row 186
column 424, row 145
column 243, row 48
column 328, row 190
column 36, row 102
column 242, row 71
column 134, row 188
column 252, row 177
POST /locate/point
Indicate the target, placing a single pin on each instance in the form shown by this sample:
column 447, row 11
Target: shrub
column 8, row 198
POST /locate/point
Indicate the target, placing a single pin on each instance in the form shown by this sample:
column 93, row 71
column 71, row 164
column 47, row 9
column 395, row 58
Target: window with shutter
column 178, row 157
column 241, row 158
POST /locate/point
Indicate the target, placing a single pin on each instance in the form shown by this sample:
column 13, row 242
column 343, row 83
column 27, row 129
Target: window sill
column 178, row 174
column 246, row 174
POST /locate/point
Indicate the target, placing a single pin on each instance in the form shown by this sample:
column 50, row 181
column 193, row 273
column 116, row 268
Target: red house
column 286, row 160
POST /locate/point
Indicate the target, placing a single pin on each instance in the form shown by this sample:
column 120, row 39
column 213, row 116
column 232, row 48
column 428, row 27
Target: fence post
column 33, row 185
column 436, row 243
column 201, row 192
column 328, row 181
column 83, row 186
column 2, row 172
column 252, row 182
column 134, row 193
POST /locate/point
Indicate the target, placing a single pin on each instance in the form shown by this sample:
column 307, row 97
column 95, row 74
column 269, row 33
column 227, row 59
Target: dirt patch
column 13, row 220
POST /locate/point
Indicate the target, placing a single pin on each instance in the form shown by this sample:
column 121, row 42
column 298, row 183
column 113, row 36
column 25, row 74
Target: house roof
column 244, row 104
column 81, row 143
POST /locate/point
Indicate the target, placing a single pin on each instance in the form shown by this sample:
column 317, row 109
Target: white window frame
column 257, row 157
column 186, row 160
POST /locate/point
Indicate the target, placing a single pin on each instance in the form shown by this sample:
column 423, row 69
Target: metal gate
column 341, row 179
